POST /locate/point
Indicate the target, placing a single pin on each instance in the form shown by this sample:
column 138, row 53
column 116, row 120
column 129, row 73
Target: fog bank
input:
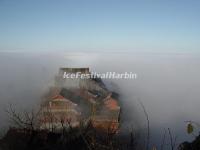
column 167, row 84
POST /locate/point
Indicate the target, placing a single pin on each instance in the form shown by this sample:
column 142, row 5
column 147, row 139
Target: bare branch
column 148, row 124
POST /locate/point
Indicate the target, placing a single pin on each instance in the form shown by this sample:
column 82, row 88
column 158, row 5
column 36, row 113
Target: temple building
column 73, row 102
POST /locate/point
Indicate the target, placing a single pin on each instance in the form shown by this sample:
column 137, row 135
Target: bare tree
column 148, row 124
column 24, row 119
column 163, row 140
column 172, row 140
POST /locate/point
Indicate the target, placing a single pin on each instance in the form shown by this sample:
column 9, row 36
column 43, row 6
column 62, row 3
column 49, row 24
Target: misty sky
column 100, row 25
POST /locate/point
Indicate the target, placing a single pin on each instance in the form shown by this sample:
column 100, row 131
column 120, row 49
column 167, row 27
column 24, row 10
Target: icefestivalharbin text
column 107, row 75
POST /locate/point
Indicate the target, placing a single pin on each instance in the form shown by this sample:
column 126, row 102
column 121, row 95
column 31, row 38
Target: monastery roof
column 111, row 104
column 58, row 97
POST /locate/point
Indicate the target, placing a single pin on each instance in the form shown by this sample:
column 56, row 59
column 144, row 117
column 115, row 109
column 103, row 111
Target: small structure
column 108, row 116
column 59, row 112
